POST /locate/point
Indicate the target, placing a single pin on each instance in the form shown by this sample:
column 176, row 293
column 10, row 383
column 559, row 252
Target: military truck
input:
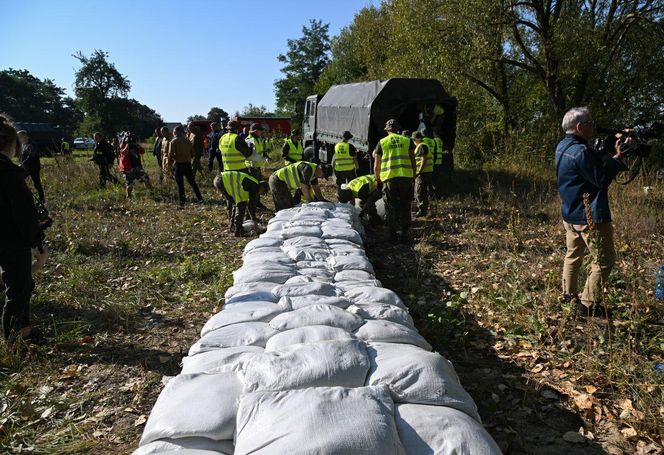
column 363, row 108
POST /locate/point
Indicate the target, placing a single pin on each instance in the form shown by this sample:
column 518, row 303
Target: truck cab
column 309, row 121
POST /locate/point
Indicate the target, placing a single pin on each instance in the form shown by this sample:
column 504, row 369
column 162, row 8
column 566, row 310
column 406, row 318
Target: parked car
column 84, row 143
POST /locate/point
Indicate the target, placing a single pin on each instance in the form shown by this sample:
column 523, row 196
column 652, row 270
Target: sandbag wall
column 311, row 355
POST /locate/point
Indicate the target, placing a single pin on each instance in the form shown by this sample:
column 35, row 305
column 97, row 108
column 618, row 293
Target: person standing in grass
column 180, row 153
column 213, row 147
column 20, row 232
column 424, row 171
column 131, row 165
column 31, row 163
column 580, row 172
column 156, row 152
column 103, row 156
column 344, row 161
column 196, row 139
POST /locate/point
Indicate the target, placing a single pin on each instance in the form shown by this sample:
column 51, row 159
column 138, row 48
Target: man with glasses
column 580, row 171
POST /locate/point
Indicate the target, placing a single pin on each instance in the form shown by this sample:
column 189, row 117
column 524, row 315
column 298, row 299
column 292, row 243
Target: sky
column 181, row 57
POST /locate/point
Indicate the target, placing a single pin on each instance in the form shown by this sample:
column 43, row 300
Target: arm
column 411, row 152
column 284, row 153
column 318, row 194
column 353, row 153
column 424, row 153
column 242, row 146
column 376, row 169
column 22, row 208
column 591, row 169
column 306, row 193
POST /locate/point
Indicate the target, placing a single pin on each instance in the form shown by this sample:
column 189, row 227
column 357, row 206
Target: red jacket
column 128, row 161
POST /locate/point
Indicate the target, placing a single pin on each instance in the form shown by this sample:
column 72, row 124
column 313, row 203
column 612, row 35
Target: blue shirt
column 579, row 170
column 213, row 142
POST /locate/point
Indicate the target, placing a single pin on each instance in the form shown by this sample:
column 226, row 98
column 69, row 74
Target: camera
column 606, row 143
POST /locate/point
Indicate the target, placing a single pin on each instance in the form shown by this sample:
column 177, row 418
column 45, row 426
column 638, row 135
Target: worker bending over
column 242, row 191
column 368, row 191
column 234, row 149
column 301, row 177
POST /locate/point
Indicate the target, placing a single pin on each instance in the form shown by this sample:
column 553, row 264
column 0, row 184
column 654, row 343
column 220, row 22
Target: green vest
column 342, row 159
column 433, row 150
column 290, row 176
column 259, row 146
column 232, row 158
column 357, row 184
column 65, row 145
column 232, row 181
column 428, row 166
column 395, row 161
column 439, row 151
column 294, row 152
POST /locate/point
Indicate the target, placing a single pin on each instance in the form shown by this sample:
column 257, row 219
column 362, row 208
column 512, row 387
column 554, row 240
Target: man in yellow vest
column 259, row 157
column 427, row 138
column 234, row 149
column 344, row 161
column 423, row 173
column 293, row 150
column 241, row 191
column 394, row 166
column 65, row 148
column 368, row 191
column 438, row 165
column 300, row 177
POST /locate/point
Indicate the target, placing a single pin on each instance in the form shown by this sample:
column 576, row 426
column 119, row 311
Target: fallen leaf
column 628, row 432
column 140, row 420
column 583, row 401
column 69, row 372
column 591, row 389
column 47, row 413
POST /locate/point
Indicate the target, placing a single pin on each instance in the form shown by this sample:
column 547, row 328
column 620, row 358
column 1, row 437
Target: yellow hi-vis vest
column 294, row 152
column 259, row 147
column 433, row 150
column 395, row 161
column 357, row 184
column 232, row 181
column 439, row 151
column 342, row 159
column 428, row 166
column 291, row 178
column 232, row 158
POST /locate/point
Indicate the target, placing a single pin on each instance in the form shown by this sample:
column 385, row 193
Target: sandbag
column 313, row 265
column 418, row 377
column 390, row 332
column 195, row 405
column 340, row 233
column 318, row 420
column 304, row 242
column 353, row 275
column 187, row 446
column 303, row 253
column 262, row 242
column 383, row 311
column 372, row 294
column 346, row 286
column 225, row 358
column 302, row 301
column 439, row 430
column 321, row 275
column 242, row 334
column 259, row 257
column 350, row 262
column 310, row 334
column 297, row 289
column 244, row 288
column 263, row 272
column 247, row 312
column 326, row 363
column 301, row 231
column 317, row 314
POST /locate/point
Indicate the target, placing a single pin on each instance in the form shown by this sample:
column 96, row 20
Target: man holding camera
column 581, row 174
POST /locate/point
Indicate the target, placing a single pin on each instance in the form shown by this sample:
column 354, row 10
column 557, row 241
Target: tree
column 195, row 118
column 305, row 61
column 216, row 114
column 255, row 111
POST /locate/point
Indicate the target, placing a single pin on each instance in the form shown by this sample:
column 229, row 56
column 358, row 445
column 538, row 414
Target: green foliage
column 255, row 111
column 195, row 118
column 216, row 114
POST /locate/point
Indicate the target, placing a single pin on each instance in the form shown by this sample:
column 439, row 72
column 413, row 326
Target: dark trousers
column 236, row 214
column 398, row 196
column 216, row 155
column 182, row 171
column 17, row 277
column 105, row 175
column 343, row 177
column 438, row 180
column 280, row 194
column 422, row 186
column 368, row 206
column 36, row 181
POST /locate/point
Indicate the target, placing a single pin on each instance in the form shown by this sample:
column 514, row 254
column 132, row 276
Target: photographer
column 580, row 171
column 19, row 233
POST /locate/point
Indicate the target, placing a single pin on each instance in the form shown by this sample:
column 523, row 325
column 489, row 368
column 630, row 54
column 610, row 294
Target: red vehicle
column 281, row 126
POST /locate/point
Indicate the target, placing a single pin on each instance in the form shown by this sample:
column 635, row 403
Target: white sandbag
column 320, row 205
column 313, row 265
column 318, row 274
column 242, row 334
column 259, row 257
column 310, row 334
column 262, row 242
column 244, row 288
column 297, row 231
column 227, row 358
column 195, row 405
column 351, row 262
column 187, row 446
column 418, row 377
column 250, row 273
column 439, row 430
column 322, row 364
column 247, row 312
column 336, row 223
column 318, row 420
column 304, row 242
column 353, row 275
column 306, row 300
column 296, row 289
column 340, row 233
column 251, row 296
column 390, row 332
column 299, row 279
column 317, row 314
column 346, row 286
column 383, row 311
column 372, row 294
column 304, row 253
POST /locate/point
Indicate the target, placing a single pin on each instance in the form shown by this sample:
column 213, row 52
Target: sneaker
column 597, row 310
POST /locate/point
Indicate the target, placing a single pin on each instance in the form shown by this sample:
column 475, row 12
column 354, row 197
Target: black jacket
column 19, row 227
column 30, row 158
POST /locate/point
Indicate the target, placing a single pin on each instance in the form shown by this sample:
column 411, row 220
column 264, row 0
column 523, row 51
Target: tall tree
column 251, row 110
column 216, row 114
column 304, row 62
column 195, row 118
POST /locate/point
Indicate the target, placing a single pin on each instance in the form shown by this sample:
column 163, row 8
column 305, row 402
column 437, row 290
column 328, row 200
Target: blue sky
column 182, row 57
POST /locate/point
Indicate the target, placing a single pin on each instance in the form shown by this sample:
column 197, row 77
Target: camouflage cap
column 392, row 125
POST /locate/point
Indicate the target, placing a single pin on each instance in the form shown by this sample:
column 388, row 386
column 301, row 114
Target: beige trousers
column 578, row 239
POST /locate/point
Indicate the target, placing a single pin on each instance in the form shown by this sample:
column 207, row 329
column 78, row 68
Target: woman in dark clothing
column 19, row 233
column 30, row 162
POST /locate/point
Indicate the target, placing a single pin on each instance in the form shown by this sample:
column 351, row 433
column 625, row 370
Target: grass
column 130, row 283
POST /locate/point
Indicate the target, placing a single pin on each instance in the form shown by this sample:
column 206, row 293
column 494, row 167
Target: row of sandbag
column 310, row 355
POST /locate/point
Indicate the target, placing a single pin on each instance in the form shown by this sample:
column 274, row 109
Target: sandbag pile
column 310, row 355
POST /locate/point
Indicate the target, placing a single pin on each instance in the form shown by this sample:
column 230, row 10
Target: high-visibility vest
column 428, row 166
column 295, row 152
column 232, row 181
column 439, row 150
column 259, row 147
column 232, row 158
column 357, row 184
column 65, row 145
column 342, row 159
column 395, row 161
column 290, row 176
column 433, row 150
